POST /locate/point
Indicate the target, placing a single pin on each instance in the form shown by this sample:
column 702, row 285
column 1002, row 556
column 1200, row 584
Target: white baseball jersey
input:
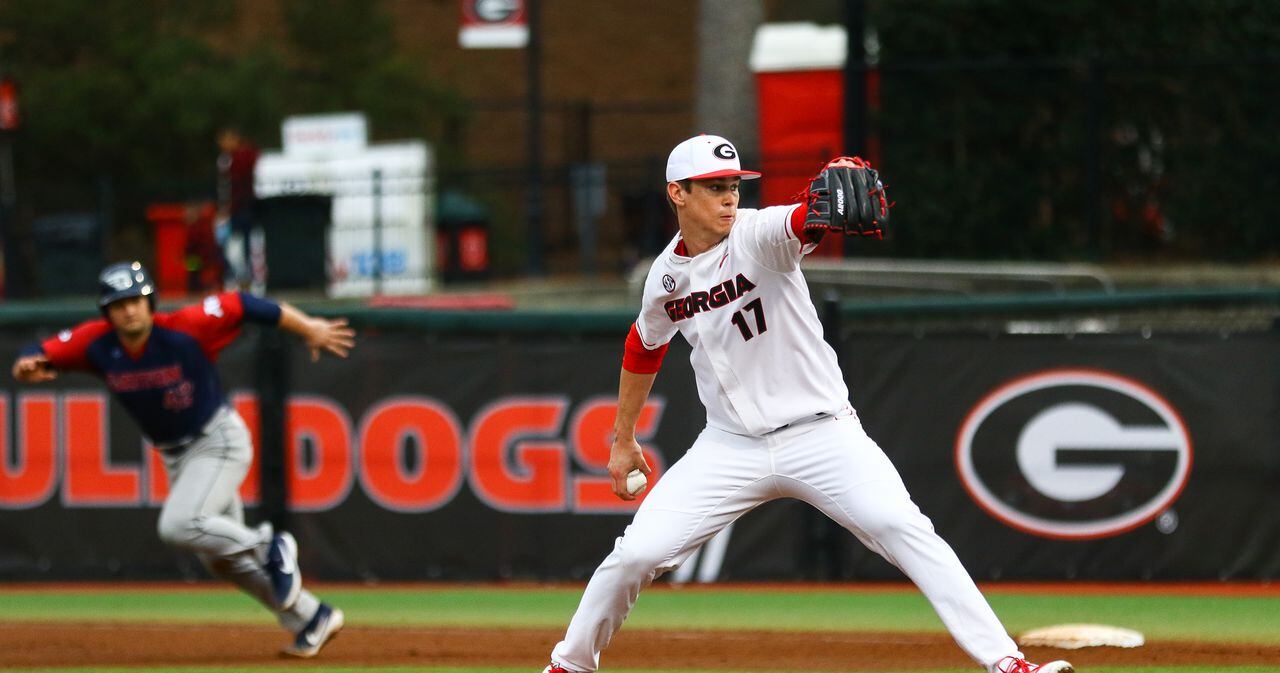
column 744, row 307
column 761, row 365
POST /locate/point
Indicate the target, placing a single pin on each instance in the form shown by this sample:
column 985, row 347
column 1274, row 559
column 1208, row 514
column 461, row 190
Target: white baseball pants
column 829, row 463
column 203, row 514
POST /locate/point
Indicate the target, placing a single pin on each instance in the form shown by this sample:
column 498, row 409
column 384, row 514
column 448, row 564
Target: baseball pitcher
column 160, row 367
column 779, row 422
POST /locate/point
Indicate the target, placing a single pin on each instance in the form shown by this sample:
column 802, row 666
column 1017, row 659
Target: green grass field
column 1237, row 619
column 323, row 669
column 313, row 669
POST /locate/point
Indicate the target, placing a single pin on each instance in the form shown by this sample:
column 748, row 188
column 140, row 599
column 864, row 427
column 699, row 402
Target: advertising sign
column 483, row 456
column 493, row 24
column 381, row 239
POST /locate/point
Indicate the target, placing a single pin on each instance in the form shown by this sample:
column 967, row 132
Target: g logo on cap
column 703, row 157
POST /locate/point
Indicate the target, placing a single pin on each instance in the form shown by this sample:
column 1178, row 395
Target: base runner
column 779, row 422
column 160, row 366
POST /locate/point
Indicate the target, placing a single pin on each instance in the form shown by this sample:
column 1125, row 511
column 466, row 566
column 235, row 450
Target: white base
column 1076, row 636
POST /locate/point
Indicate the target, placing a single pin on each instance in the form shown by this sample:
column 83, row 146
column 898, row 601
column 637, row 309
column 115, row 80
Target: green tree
column 1080, row 128
column 134, row 91
column 343, row 57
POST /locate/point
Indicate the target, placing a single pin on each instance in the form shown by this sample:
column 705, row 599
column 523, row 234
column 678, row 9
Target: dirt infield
column 1071, row 588
column 140, row 646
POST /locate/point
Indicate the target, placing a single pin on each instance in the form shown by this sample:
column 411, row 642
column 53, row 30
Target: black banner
column 482, row 457
column 1108, row 457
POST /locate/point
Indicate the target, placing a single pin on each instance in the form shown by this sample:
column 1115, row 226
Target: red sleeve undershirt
column 797, row 222
column 214, row 322
column 640, row 360
column 69, row 349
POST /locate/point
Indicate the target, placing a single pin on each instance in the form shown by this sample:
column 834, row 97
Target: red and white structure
column 799, row 71
column 494, row 24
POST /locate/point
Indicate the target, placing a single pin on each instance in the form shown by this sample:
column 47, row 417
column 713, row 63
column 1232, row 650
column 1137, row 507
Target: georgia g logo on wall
column 493, row 11
column 1074, row 454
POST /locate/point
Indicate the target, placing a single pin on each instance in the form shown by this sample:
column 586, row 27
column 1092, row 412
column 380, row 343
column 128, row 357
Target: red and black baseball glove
column 846, row 196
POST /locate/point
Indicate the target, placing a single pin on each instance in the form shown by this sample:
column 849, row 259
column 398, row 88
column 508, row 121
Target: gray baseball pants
column 203, row 513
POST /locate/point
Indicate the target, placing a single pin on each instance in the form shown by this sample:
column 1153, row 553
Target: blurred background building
column 1132, row 134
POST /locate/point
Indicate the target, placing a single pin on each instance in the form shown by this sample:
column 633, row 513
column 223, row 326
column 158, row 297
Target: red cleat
column 1019, row 665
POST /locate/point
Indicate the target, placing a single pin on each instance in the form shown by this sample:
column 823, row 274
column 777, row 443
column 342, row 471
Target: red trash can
column 186, row 254
column 169, row 232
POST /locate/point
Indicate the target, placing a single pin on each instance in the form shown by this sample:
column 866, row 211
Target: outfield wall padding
column 479, row 455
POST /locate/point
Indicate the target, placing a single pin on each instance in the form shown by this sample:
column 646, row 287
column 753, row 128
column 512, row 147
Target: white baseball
column 636, row 482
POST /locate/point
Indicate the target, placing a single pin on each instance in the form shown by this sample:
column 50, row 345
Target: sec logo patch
column 668, row 283
column 1074, row 454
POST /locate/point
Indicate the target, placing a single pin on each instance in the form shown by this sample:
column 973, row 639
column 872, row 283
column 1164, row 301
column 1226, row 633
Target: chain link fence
column 1045, row 160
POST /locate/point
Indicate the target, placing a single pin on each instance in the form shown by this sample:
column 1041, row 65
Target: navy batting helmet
column 124, row 280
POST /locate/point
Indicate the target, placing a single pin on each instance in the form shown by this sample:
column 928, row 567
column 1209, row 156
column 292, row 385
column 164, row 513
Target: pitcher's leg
column 707, row 489
column 842, row 472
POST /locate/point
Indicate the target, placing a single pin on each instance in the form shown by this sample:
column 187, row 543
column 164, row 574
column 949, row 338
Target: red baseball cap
column 703, row 157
